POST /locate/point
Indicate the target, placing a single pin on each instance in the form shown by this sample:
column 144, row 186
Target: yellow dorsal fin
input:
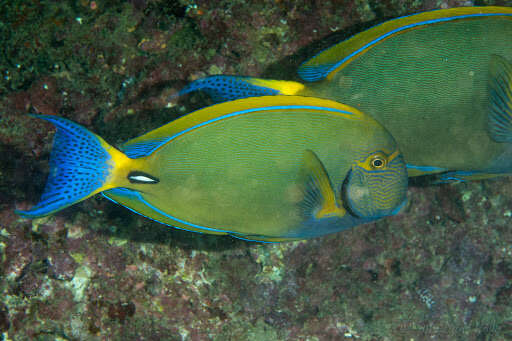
column 182, row 125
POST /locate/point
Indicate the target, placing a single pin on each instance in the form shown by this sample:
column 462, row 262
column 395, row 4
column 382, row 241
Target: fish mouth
column 399, row 207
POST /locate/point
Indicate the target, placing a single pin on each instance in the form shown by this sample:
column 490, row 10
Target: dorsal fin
column 146, row 144
column 141, row 149
column 328, row 62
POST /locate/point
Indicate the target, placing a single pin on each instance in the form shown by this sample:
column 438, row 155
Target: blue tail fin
column 79, row 167
column 227, row 88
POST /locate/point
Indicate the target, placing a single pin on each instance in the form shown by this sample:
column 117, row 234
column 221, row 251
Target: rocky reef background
column 440, row 270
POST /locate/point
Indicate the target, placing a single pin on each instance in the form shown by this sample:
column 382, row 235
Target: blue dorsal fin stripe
column 224, row 88
column 142, row 149
column 312, row 73
column 316, row 73
column 78, row 167
column 500, row 96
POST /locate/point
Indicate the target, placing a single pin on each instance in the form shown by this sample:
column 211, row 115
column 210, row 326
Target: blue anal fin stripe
column 462, row 176
column 223, row 88
column 131, row 195
column 425, row 168
column 456, row 176
column 78, row 167
column 123, row 196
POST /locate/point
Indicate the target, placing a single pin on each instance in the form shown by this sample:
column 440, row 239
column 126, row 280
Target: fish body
column 434, row 80
column 269, row 168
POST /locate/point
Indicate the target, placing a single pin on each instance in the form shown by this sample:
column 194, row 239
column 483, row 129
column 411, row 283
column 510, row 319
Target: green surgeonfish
column 439, row 81
column 270, row 168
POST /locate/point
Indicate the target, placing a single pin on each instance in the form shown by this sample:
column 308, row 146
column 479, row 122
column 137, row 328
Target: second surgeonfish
column 439, row 81
column 272, row 168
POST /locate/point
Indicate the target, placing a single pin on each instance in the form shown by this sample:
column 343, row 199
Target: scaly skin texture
column 441, row 269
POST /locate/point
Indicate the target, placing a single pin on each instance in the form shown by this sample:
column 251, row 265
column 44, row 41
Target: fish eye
column 378, row 162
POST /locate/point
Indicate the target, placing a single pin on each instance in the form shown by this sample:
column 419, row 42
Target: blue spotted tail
column 80, row 166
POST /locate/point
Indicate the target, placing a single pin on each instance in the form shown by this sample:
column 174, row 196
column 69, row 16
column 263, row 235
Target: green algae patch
column 116, row 241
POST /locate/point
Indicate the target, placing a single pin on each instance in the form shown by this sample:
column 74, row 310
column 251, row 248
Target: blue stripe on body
column 315, row 73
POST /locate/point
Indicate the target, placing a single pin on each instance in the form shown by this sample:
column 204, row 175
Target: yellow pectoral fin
column 329, row 211
column 319, row 198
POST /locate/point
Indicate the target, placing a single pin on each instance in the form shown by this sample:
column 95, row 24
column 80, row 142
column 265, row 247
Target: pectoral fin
column 319, row 200
column 500, row 95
